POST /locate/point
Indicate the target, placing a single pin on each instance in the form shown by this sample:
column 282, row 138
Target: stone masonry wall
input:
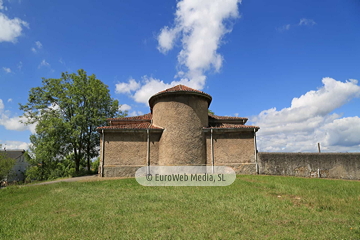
column 125, row 152
column 125, row 148
column 327, row 165
column 233, row 149
column 183, row 141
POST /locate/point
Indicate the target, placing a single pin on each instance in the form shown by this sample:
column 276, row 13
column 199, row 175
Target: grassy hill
column 253, row 207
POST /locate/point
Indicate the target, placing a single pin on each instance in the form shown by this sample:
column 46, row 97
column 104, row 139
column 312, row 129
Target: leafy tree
column 6, row 164
column 211, row 112
column 67, row 111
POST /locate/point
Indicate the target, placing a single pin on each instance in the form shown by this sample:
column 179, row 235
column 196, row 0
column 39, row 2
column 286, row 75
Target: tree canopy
column 66, row 112
column 6, row 165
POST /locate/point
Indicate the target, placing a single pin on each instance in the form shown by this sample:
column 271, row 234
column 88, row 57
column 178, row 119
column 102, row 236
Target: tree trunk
column 77, row 165
column 88, row 164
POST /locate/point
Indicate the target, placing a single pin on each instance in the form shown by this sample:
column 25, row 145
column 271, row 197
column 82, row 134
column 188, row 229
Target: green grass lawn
column 253, row 207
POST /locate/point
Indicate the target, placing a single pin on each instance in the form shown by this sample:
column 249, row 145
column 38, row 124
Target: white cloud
column 135, row 113
column 166, row 39
column 7, row 70
column 343, row 132
column 199, row 27
column 12, row 145
column 306, row 22
column 132, row 85
column 310, row 119
column 10, row 28
column 13, row 123
column 33, row 50
column 44, row 64
column 32, row 128
column 124, row 107
column 9, row 100
column 150, row 86
column 54, row 106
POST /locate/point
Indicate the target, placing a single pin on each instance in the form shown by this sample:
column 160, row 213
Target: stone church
column 178, row 131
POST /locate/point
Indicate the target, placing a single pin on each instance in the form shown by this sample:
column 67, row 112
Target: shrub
column 6, row 164
column 95, row 165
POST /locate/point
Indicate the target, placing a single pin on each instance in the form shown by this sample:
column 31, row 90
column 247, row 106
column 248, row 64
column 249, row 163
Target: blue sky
column 291, row 67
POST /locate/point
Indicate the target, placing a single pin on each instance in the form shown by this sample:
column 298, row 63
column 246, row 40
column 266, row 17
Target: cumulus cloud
column 13, row 123
column 149, row 86
column 343, row 132
column 11, row 28
column 132, row 85
column 7, row 70
column 199, row 27
column 9, row 100
column 310, row 119
column 124, row 107
column 166, row 39
column 12, row 145
column 135, row 113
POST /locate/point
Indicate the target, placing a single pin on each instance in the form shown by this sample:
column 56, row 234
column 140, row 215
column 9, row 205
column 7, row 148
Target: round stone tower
column 182, row 112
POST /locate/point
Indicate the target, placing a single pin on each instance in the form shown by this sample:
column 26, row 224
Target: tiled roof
column 148, row 117
column 135, row 118
column 230, row 126
column 211, row 116
column 144, row 125
column 179, row 89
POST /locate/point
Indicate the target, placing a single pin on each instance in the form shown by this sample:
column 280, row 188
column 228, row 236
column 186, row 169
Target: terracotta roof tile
column 227, row 125
column 144, row 125
column 179, row 89
column 144, row 117
column 215, row 117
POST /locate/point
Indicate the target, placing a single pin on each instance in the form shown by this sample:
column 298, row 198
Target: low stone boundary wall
column 327, row 165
